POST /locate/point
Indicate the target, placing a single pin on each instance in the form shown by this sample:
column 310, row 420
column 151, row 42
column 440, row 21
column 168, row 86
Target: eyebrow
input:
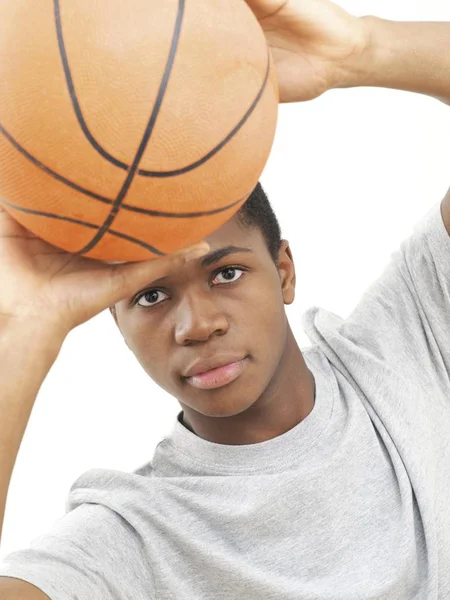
column 213, row 257
column 210, row 259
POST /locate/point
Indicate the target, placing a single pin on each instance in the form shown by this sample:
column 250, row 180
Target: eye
column 229, row 274
column 153, row 297
column 150, row 296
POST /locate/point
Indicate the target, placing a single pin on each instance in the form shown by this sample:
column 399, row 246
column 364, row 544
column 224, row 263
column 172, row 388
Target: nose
column 198, row 318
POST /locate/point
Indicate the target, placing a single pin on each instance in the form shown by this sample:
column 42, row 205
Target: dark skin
column 316, row 46
column 233, row 306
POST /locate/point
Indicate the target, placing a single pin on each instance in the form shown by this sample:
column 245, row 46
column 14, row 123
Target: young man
column 287, row 475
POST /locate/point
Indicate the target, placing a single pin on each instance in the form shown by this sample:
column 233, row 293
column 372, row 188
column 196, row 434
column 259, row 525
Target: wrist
column 401, row 55
column 32, row 334
column 366, row 66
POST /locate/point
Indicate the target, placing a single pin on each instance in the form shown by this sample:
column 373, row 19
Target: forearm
column 26, row 356
column 410, row 56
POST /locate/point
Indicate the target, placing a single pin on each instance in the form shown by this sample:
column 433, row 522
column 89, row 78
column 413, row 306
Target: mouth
column 216, row 377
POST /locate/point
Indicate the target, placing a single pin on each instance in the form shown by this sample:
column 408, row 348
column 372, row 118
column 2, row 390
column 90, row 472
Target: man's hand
column 312, row 43
column 41, row 284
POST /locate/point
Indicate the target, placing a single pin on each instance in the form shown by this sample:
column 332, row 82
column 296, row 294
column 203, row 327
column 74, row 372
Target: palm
column 310, row 40
column 27, row 251
column 62, row 290
column 44, row 278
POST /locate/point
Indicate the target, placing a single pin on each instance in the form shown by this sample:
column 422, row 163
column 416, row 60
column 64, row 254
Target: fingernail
column 195, row 251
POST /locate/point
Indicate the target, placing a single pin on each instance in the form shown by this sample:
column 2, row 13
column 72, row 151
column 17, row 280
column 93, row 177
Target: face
column 226, row 307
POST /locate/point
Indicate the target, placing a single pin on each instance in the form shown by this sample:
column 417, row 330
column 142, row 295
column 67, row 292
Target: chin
column 222, row 402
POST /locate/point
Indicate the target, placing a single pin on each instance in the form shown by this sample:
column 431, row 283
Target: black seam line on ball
column 225, row 141
column 112, row 159
column 49, row 171
column 129, row 207
column 30, row 211
column 73, row 95
column 148, row 132
column 187, row 215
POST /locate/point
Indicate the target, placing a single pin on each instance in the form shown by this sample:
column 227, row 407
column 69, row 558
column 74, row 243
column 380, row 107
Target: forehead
column 232, row 233
column 236, row 234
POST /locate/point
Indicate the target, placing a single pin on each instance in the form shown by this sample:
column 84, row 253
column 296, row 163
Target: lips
column 217, row 377
column 215, row 362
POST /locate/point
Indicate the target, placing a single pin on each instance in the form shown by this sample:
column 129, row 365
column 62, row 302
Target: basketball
column 130, row 129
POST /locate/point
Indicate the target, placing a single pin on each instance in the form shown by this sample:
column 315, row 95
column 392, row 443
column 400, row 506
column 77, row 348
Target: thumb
column 263, row 9
column 123, row 280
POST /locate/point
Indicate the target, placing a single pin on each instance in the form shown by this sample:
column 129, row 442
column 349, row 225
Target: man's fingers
column 265, row 8
column 194, row 251
column 126, row 279
column 11, row 228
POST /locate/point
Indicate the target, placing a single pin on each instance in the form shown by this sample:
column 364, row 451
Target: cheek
column 270, row 325
column 267, row 301
column 264, row 316
column 147, row 339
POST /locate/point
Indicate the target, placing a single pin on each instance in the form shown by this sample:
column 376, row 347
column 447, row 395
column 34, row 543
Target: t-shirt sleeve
column 91, row 553
column 403, row 319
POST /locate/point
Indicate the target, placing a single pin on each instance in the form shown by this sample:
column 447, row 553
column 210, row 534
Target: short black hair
column 257, row 212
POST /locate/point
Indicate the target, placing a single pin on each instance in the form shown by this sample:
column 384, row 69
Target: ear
column 286, row 270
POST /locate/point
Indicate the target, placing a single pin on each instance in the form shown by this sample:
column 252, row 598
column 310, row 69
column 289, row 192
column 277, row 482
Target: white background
column 349, row 176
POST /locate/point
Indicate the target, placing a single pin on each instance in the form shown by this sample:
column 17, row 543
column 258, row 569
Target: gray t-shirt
column 352, row 503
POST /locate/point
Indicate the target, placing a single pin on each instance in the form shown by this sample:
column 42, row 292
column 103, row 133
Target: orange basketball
column 131, row 128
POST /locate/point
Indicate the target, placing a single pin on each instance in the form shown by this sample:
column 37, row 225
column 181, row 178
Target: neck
column 287, row 400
